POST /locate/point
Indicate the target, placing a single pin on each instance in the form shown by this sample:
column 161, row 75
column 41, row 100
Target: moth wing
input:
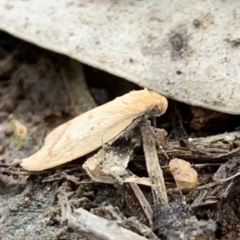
column 89, row 131
column 74, row 139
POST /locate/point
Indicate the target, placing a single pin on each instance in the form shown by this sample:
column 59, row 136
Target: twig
column 92, row 226
column 219, row 181
column 137, row 203
column 153, row 167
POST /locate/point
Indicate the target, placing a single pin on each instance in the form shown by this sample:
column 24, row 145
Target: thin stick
column 92, row 226
column 153, row 167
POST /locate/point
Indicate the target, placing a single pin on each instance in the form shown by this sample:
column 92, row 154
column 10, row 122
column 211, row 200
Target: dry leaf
column 184, row 175
column 109, row 164
column 187, row 50
column 93, row 129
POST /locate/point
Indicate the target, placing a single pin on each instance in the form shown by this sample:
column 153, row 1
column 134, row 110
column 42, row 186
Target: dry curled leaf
column 93, row 129
column 184, row 175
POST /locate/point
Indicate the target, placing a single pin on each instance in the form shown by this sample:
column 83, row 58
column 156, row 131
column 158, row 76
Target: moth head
column 159, row 104
column 155, row 112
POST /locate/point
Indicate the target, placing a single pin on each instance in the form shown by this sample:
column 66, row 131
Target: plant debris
column 92, row 226
column 184, row 175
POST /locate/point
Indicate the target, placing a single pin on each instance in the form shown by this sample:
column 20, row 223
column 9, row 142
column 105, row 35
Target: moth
column 91, row 130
